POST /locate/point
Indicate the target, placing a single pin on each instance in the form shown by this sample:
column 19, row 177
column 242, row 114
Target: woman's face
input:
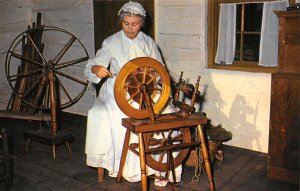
column 131, row 26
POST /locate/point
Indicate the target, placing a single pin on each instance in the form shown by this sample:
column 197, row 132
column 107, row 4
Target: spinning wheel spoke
column 162, row 134
column 153, row 77
column 177, row 138
column 64, row 50
column 64, row 89
column 36, row 48
column 170, row 133
column 154, row 141
column 144, row 74
column 131, row 87
column 71, row 78
column 23, row 75
column 135, row 78
column 24, row 58
column 70, row 63
column 162, row 157
column 133, row 95
column 156, row 89
column 141, row 102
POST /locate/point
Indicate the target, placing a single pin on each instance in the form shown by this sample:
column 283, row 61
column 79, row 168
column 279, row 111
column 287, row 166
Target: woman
column 105, row 133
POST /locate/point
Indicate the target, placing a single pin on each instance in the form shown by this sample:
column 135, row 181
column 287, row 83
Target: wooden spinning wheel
column 36, row 69
column 44, row 67
column 43, row 61
column 133, row 76
column 142, row 89
column 129, row 94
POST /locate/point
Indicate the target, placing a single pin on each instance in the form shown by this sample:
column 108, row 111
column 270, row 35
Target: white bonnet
column 133, row 7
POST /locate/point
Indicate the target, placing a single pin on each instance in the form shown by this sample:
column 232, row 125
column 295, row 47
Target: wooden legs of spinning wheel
column 122, row 162
column 142, row 162
column 143, row 159
column 206, row 157
column 141, row 155
column 53, row 102
column 123, row 156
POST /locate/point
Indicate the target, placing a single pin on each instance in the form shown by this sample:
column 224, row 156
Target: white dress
column 105, row 133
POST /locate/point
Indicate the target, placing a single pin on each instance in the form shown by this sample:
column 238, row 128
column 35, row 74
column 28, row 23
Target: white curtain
column 227, row 30
column 268, row 51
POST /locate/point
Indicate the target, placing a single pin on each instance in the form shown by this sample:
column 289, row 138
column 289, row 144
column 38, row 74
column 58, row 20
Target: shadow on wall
column 241, row 120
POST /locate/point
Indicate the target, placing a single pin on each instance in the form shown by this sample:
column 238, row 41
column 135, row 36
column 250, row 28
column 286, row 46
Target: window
column 248, row 31
column 242, row 37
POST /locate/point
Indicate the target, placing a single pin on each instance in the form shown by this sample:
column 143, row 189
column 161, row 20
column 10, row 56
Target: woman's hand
column 101, row 71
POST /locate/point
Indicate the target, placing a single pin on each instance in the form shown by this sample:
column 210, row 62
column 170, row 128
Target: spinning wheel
column 142, row 90
column 136, row 74
column 42, row 65
column 148, row 73
column 30, row 74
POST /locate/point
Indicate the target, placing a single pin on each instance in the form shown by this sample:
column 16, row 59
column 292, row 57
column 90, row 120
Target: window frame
column 212, row 33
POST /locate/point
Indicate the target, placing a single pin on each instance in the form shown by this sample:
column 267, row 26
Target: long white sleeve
column 102, row 58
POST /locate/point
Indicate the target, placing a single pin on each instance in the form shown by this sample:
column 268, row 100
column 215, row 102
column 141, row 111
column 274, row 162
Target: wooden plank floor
column 36, row 170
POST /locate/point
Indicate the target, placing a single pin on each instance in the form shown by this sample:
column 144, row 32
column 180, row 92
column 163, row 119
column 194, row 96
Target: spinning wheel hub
column 144, row 88
column 138, row 85
column 48, row 66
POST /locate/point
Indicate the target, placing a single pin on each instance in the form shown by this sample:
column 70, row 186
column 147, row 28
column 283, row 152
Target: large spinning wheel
column 42, row 65
column 142, row 89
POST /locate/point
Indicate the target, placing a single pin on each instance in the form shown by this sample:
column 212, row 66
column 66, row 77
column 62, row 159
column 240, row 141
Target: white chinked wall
column 239, row 101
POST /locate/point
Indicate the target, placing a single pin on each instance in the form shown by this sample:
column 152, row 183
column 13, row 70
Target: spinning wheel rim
column 130, row 68
column 46, row 66
column 156, row 164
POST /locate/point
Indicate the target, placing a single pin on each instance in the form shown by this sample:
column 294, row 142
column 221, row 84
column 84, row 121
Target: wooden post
column 206, row 157
column 142, row 161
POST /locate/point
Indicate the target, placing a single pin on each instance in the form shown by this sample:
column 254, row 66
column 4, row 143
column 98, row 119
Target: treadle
column 46, row 137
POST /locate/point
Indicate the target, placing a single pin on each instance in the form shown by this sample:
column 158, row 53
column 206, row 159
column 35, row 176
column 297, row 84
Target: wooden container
column 284, row 134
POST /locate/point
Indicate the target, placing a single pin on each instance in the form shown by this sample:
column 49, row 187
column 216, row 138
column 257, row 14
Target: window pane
column 237, row 47
column 253, row 16
column 251, row 47
column 238, row 17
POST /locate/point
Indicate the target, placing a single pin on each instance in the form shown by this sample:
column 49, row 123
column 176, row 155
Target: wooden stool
column 46, row 137
column 141, row 126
